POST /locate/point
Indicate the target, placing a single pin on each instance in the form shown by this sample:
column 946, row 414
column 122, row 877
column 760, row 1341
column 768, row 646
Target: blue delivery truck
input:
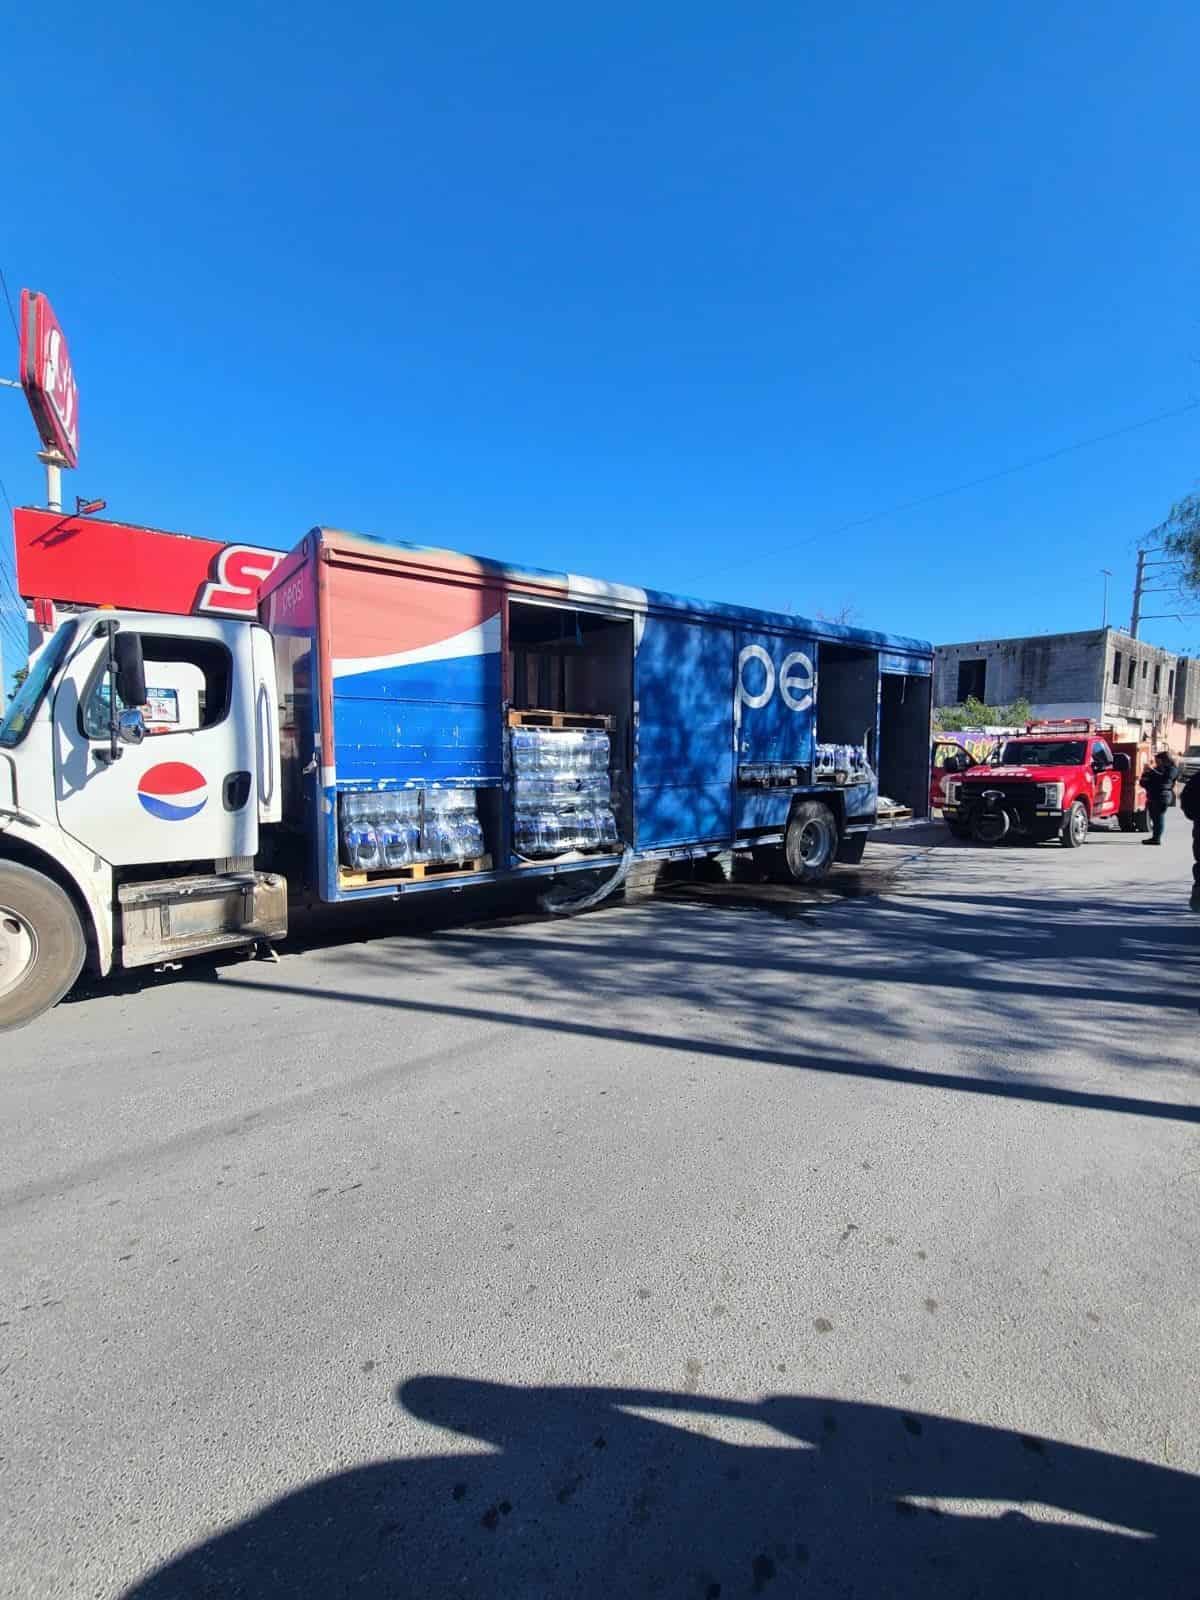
column 401, row 720
column 696, row 727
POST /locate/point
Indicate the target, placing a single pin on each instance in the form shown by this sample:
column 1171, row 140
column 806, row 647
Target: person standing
column 1159, row 784
column 1189, row 804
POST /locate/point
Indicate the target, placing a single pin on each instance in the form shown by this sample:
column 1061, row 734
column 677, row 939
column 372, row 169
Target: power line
column 8, row 301
column 7, row 501
column 961, row 488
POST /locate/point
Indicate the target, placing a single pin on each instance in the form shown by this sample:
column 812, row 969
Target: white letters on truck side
column 794, row 679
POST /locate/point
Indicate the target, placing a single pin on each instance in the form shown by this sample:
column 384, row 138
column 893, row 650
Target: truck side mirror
column 131, row 670
column 131, row 726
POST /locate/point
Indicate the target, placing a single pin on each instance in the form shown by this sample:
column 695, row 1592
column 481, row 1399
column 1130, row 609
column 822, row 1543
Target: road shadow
column 607, row 1492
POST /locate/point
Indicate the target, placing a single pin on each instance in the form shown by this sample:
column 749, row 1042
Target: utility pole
column 1139, row 583
column 1139, row 586
column 1107, row 576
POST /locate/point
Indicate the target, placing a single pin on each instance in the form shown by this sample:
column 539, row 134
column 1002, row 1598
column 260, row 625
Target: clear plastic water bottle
column 588, row 825
column 609, row 838
column 392, row 843
column 547, row 832
column 524, row 833
column 358, row 831
column 472, row 831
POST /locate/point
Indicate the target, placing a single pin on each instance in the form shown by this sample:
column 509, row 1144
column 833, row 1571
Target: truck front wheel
column 811, row 842
column 41, row 944
column 1075, row 826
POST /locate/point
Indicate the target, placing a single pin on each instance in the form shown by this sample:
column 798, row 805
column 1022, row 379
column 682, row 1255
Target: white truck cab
column 123, row 833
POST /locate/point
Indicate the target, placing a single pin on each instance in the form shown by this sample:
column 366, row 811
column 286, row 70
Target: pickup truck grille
column 1019, row 797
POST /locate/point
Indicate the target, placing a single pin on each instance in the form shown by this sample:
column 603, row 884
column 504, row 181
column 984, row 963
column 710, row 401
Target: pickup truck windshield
column 1044, row 753
column 29, row 696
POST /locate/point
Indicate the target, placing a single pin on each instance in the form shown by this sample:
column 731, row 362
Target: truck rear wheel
column 1075, row 826
column 811, row 842
column 41, row 944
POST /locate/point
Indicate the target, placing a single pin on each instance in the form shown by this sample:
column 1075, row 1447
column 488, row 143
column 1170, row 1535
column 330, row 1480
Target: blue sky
column 666, row 294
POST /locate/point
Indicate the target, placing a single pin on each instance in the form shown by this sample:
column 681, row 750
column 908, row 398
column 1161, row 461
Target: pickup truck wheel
column 1141, row 822
column 41, row 944
column 1127, row 824
column 959, row 830
column 1075, row 826
column 811, row 842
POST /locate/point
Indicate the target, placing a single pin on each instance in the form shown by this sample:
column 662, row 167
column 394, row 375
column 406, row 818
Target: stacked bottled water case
column 401, row 828
column 841, row 763
column 562, row 793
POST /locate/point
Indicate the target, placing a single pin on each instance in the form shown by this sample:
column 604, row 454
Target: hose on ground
column 566, row 906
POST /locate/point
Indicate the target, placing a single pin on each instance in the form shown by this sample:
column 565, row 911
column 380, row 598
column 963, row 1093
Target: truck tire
column 41, row 944
column 1141, row 821
column 1075, row 826
column 959, row 830
column 1126, row 822
column 811, row 842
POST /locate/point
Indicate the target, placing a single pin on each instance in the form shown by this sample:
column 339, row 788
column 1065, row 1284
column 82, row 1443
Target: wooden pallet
column 349, row 879
column 558, row 719
column 895, row 814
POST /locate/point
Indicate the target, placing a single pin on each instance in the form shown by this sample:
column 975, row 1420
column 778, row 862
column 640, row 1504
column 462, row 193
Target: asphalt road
column 699, row 1247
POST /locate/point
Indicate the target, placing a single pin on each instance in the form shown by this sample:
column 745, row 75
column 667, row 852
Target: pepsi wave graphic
column 173, row 791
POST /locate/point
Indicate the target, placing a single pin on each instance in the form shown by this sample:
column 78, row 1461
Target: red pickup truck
column 1051, row 782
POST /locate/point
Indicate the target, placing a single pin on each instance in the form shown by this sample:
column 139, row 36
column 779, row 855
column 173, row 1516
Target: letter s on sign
column 796, row 681
column 755, row 652
column 240, row 570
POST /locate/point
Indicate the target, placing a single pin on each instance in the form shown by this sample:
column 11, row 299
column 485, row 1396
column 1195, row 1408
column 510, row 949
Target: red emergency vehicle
column 1050, row 782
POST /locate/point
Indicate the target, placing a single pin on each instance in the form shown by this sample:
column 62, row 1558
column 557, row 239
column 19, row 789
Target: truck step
column 168, row 917
column 558, row 719
column 202, row 885
column 349, row 879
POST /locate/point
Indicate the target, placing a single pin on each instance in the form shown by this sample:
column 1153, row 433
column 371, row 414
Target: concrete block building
column 1101, row 673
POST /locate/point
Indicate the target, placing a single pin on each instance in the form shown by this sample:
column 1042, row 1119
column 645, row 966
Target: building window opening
column 1117, row 658
column 972, row 681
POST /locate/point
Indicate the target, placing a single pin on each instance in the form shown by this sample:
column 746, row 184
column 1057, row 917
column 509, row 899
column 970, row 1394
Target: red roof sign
column 48, row 377
column 86, row 561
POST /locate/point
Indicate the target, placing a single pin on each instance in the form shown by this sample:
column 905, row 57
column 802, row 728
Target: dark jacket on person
column 1189, row 800
column 1159, row 784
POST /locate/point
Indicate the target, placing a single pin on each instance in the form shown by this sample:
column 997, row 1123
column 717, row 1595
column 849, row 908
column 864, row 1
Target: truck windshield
column 1044, row 753
column 29, row 696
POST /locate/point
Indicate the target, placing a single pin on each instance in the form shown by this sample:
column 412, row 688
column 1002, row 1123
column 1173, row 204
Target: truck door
column 188, row 792
column 776, row 690
column 1107, row 781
